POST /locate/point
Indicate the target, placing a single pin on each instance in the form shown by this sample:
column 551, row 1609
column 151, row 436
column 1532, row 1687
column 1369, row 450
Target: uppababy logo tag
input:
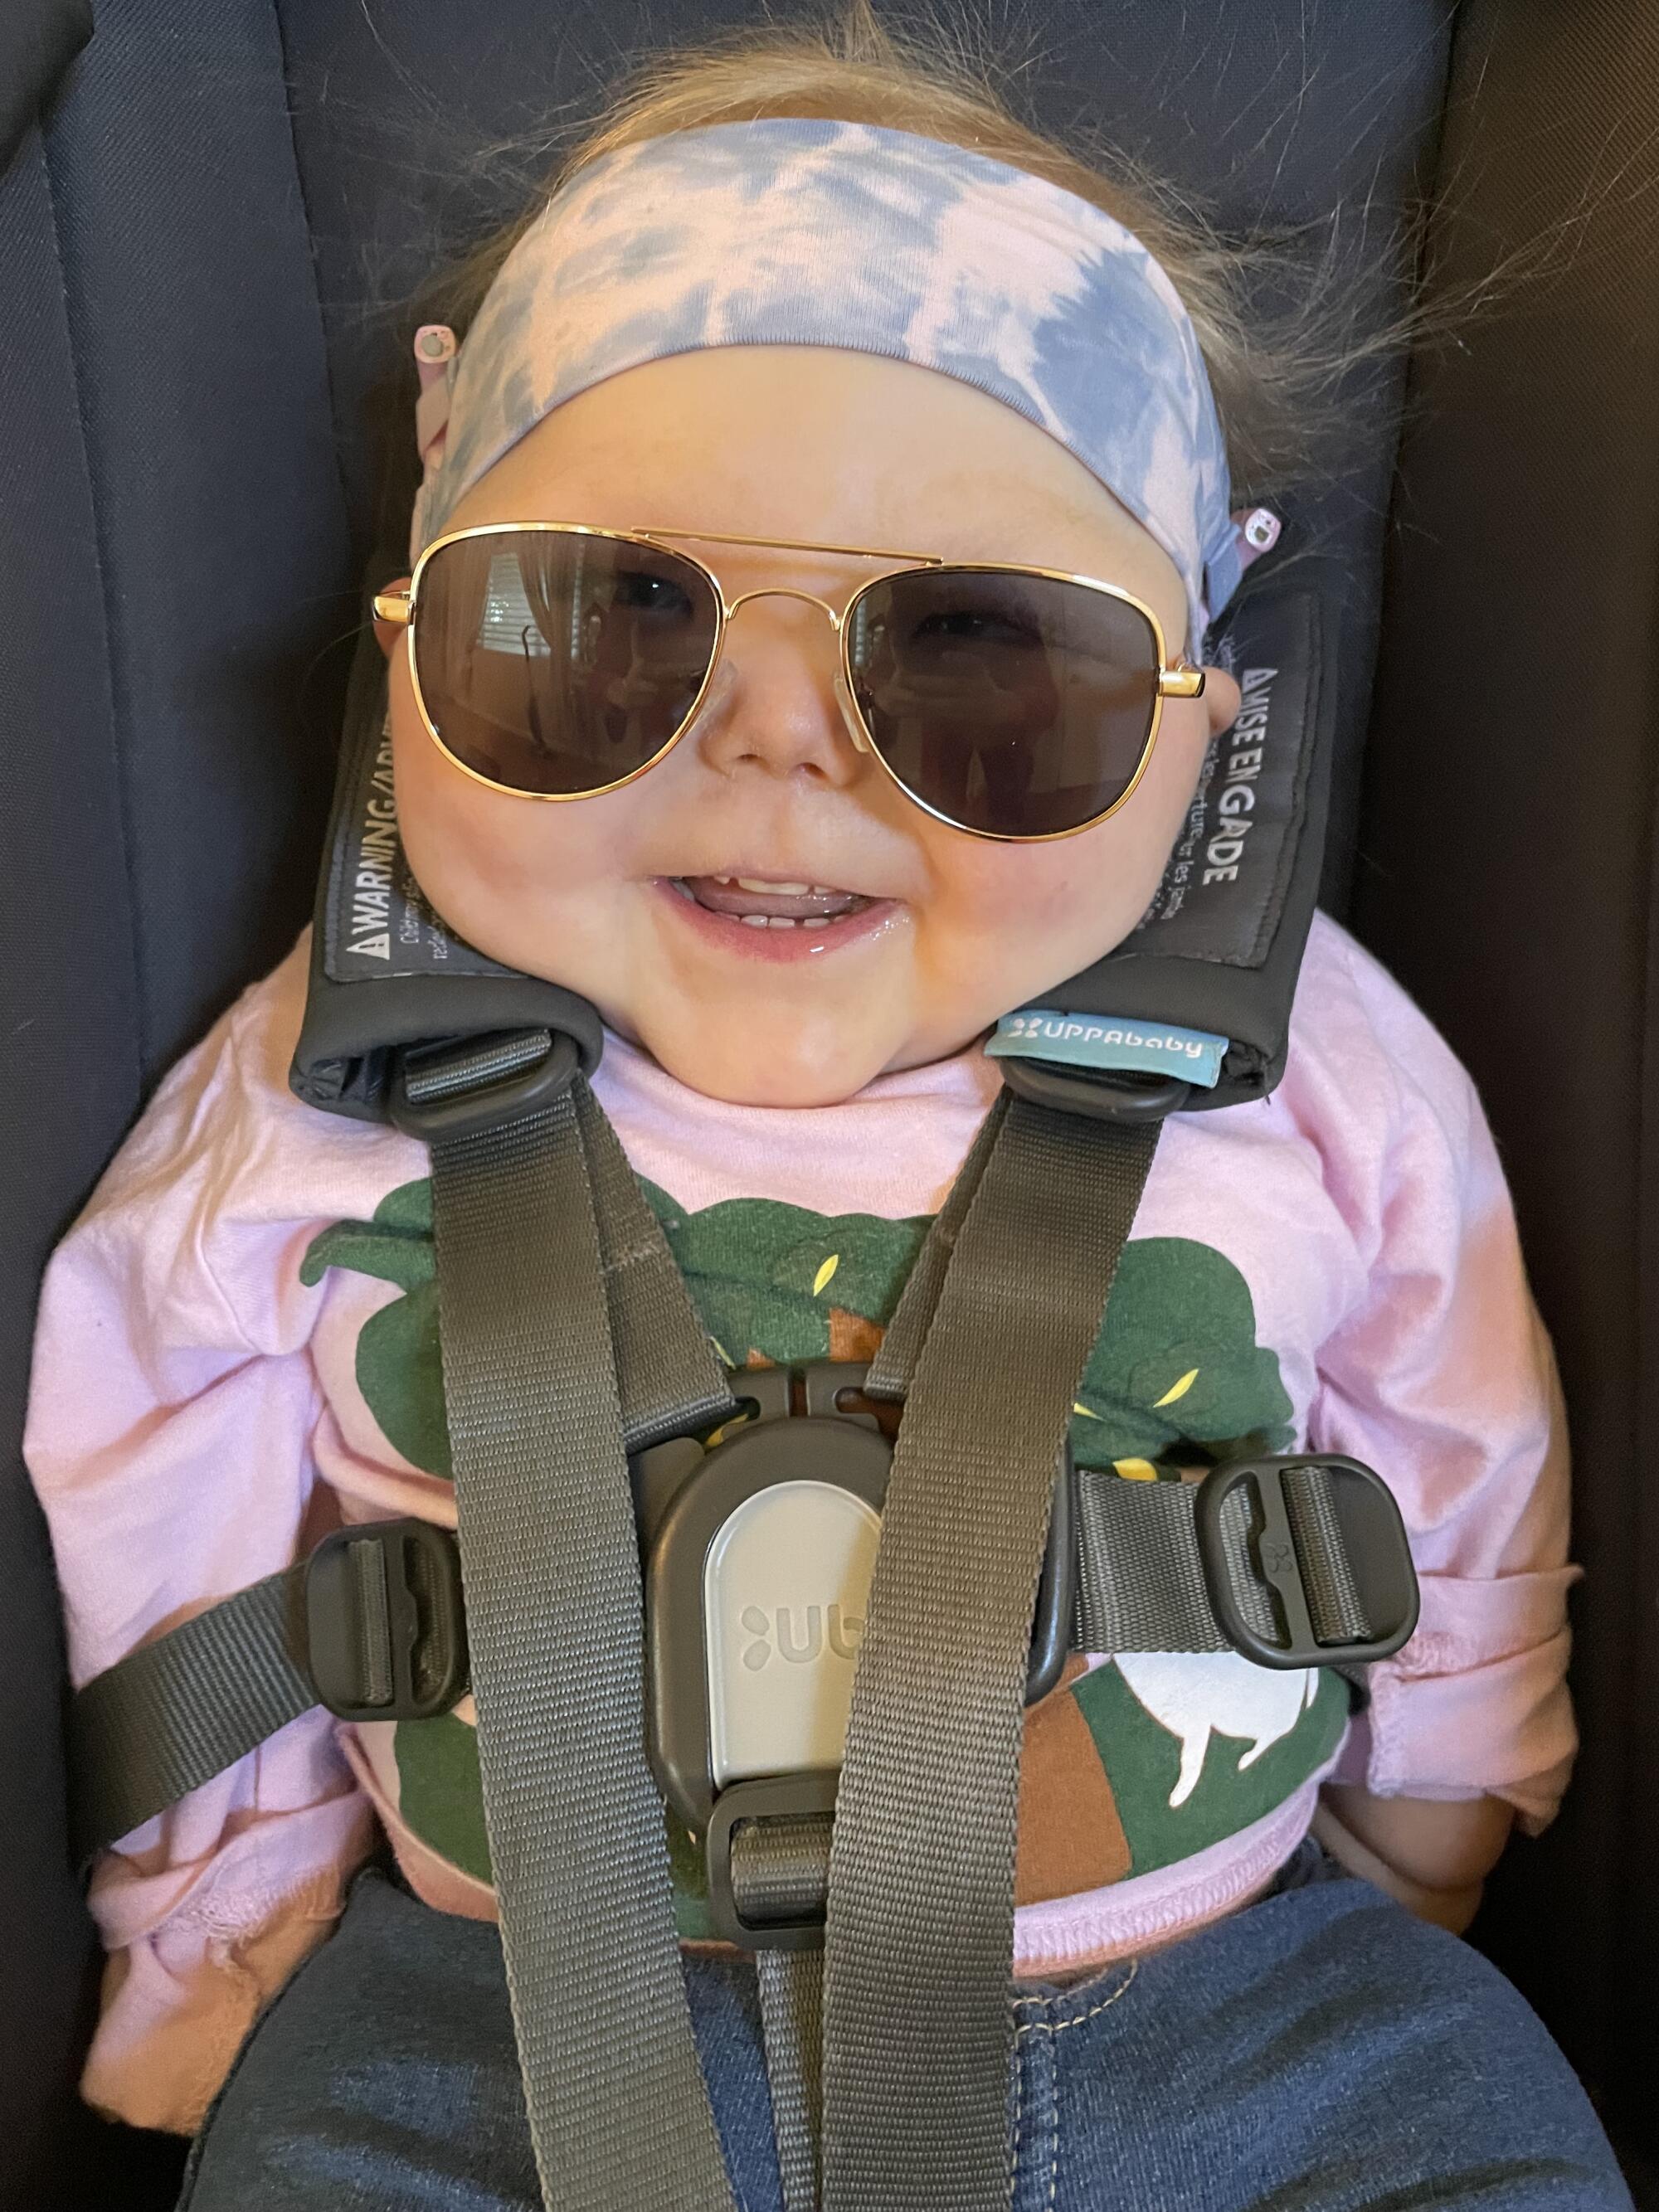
column 1109, row 1040
column 800, row 1633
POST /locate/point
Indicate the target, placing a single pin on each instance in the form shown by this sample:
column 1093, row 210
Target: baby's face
column 629, row 898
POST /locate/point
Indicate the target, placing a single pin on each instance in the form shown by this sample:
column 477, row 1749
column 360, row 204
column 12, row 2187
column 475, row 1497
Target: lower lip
column 725, row 933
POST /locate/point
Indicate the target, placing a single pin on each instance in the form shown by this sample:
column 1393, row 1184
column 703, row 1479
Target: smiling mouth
column 760, row 903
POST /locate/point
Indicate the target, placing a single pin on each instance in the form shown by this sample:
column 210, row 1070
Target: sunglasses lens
column 554, row 661
column 1017, row 704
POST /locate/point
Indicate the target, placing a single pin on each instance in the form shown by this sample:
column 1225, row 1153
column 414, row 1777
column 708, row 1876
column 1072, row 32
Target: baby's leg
column 1321, row 2050
column 385, row 2077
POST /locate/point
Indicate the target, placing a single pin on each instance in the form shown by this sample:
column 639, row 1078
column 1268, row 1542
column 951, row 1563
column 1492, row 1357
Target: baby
column 804, row 664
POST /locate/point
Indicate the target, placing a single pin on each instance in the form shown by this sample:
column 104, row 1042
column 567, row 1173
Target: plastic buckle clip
column 438, row 1114
column 1374, row 1540
column 385, row 1625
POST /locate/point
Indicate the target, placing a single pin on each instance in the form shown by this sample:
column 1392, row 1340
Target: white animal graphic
column 1195, row 1694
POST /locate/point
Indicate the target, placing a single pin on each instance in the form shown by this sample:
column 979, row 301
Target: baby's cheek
column 1033, row 891
column 1057, row 906
column 495, row 867
column 1038, row 901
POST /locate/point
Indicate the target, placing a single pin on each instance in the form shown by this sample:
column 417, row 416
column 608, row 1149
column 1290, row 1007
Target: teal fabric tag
column 1109, row 1040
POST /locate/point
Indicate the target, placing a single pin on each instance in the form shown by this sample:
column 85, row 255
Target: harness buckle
column 385, row 1625
column 758, row 1552
column 1374, row 1543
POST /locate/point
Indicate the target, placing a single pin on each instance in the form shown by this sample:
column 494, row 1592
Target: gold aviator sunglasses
column 556, row 660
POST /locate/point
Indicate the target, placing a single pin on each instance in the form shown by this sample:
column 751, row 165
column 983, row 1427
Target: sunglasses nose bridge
column 785, row 591
column 837, row 617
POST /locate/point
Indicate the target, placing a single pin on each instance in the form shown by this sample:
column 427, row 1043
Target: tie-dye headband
column 798, row 232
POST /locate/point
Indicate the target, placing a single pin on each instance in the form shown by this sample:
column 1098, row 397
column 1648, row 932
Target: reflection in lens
column 551, row 660
column 1019, row 705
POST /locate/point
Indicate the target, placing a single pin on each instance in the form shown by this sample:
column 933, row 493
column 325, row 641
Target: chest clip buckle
column 757, row 1554
column 1364, row 1561
column 385, row 1624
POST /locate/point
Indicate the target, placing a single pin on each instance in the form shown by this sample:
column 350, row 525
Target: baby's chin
column 773, row 1063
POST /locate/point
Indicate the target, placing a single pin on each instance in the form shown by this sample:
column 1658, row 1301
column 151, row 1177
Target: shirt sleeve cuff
column 180, row 1999
column 1476, row 1704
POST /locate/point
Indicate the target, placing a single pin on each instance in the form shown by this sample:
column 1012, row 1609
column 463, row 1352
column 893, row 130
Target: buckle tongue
column 385, row 1625
column 1375, row 1550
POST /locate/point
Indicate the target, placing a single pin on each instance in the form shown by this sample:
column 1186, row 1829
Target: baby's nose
column 775, row 700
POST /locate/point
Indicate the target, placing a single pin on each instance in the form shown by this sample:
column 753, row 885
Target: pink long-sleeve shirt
column 1333, row 1268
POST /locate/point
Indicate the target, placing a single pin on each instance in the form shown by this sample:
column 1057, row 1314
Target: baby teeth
column 780, row 890
column 773, row 921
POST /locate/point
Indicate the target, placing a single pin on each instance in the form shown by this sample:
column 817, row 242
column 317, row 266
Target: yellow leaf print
column 1136, row 1470
column 1078, row 1407
column 1178, row 1389
column 825, row 1272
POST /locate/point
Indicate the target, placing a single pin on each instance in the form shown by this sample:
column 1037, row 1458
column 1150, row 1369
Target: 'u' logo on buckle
column 799, row 1648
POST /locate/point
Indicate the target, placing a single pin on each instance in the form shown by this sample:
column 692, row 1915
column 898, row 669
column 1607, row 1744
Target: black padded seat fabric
column 175, row 566
column 38, row 39
column 201, row 251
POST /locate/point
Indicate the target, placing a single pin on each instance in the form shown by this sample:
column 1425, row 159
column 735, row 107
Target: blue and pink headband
column 796, row 232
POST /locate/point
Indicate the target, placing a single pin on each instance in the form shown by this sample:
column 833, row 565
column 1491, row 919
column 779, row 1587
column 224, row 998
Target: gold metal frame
column 1179, row 680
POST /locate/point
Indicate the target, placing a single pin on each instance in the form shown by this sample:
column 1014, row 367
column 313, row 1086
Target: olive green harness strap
column 619, row 2110
column 175, row 1713
column 792, row 2022
column 919, row 1927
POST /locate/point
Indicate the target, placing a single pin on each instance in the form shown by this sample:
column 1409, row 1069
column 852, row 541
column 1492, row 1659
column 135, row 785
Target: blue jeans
column 1320, row 2050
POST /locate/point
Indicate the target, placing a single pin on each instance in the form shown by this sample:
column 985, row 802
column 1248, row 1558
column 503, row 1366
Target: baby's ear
column 388, row 633
column 1222, row 699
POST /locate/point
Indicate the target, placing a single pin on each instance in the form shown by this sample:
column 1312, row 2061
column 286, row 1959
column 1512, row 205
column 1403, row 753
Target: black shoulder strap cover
column 1220, row 949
